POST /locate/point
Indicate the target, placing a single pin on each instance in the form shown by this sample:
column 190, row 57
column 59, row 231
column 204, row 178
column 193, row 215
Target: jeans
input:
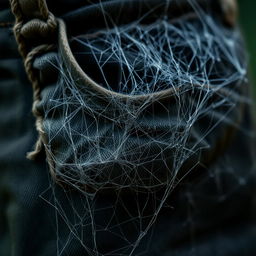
column 162, row 169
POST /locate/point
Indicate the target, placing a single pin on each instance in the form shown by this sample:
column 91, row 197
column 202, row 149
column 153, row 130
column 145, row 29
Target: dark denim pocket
column 189, row 115
column 184, row 110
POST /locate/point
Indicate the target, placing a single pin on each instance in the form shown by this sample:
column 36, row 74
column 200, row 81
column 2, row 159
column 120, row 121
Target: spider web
column 200, row 61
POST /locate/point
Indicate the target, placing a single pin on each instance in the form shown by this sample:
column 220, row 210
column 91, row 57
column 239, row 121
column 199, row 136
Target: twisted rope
column 23, row 32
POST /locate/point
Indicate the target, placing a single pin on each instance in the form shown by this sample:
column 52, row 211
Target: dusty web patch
column 142, row 147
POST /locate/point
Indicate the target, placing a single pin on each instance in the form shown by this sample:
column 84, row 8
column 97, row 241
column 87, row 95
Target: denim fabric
column 211, row 212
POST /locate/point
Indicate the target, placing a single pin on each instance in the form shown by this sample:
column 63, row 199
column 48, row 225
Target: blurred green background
column 247, row 19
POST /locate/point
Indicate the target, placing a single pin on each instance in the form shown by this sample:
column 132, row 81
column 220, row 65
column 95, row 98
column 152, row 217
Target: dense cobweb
column 149, row 58
column 96, row 143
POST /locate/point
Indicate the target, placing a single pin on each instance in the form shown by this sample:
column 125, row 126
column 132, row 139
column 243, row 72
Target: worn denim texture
column 211, row 212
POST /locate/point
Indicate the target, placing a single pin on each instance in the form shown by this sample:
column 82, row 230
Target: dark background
column 247, row 18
